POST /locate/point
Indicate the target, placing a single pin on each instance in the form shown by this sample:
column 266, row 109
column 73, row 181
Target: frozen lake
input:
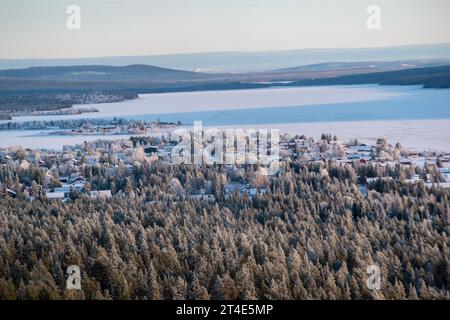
column 210, row 104
column 413, row 116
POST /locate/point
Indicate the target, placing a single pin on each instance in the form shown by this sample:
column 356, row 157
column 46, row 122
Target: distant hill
column 135, row 73
column 149, row 79
column 140, row 73
column 342, row 68
column 369, row 66
column 431, row 77
column 251, row 61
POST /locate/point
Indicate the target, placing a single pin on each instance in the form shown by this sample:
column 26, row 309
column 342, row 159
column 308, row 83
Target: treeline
column 45, row 100
column 312, row 235
column 64, row 124
column 430, row 77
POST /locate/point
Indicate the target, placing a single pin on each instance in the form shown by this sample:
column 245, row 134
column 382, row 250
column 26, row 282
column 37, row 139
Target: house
column 292, row 145
column 78, row 185
column 66, row 188
column 360, row 148
column 253, row 191
column 413, row 153
column 363, row 161
column 79, row 179
column 343, row 161
column 356, row 156
column 445, row 173
column 444, row 170
column 137, row 130
column 55, row 195
column 284, row 145
column 413, row 179
column 370, row 180
column 443, row 185
column 241, row 188
column 204, row 197
column 104, row 194
column 303, row 146
column 405, row 162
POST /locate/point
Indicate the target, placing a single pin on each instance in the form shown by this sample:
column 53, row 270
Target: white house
column 101, row 194
column 55, row 195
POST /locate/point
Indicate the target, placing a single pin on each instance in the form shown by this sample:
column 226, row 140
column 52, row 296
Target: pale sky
column 37, row 28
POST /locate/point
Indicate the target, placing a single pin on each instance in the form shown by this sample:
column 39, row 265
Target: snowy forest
column 311, row 235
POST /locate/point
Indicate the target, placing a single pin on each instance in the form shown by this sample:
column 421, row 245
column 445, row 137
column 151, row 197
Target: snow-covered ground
column 432, row 135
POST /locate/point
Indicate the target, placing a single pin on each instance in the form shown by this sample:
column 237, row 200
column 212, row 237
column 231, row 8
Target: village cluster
column 68, row 172
column 115, row 128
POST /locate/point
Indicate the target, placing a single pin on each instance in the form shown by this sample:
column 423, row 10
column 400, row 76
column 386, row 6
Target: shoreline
column 426, row 135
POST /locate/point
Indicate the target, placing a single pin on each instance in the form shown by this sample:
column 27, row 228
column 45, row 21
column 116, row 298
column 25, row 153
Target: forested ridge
column 311, row 236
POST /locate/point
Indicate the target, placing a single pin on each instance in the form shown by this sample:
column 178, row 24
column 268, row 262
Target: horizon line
column 229, row 52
